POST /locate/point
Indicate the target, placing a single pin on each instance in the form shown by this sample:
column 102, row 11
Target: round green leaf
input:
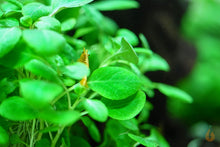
column 39, row 68
column 39, row 93
column 96, row 109
column 44, row 42
column 92, row 128
column 154, row 63
column 9, row 38
column 77, row 70
column 173, row 92
column 17, row 109
column 60, row 117
column 35, row 10
column 131, row 124
column 129, row 36
column 26, row 21
column 58, row 5
column 4, row 138
column 144, row 141
column 9, row 22
column 114, row 82
column 127, row 108
column 68, row 24
column 49, row 23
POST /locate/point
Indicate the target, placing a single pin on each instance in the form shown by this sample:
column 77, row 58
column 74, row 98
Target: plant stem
column 93, row 95
column 84, row 113
column 62, row 94
column 50, row 134
column 32, row 134
column 59, row 132
column 41, row 127
column 75, row 104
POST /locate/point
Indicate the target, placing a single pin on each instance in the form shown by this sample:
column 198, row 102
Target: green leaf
column 4, row 138
column 93, row 130
column 83, row 31
column 79, row 89
column 173, row 92
column 144, row 51
column 41, row 69
column 154, row 63
column 77, row 70
column 144, row 141
column 39, row 93
column 130, row 124
column 17, row 109
column 110, row 5
column 59, row 5
column 145, row 113
column 17, row 57
column 68, row 24
column 144, row 41
column 35, row 10
column 48, row 23
column 114, row 82
column 16, row 2
column 6, row 87
column 156, row 136
column 26, row 21
column 9, row 9
column 9, row 22
column 126, row 52
column 128, row 35
column 9, row 37
column 127, row 108
column 44, row 42
column 116, row 135
column 63, row 118
column 96, row 109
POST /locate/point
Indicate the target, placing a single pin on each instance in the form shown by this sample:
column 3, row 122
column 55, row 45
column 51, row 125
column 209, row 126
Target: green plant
column 49, row 96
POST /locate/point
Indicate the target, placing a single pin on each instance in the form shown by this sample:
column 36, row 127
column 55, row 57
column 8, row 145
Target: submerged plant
column 64, row 68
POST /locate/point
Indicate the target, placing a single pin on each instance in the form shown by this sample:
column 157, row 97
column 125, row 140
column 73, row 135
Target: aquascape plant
column 70, row 77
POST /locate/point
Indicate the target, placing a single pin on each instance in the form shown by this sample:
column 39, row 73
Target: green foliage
column 52, row 92
column 127, row 108
column 4, row 138
column 114, row 82
column 200, row 26
column 9, row 37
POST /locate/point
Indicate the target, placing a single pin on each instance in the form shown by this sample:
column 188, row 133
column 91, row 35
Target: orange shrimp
column 84, row 59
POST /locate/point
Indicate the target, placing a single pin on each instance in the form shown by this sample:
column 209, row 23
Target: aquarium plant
column 69, row 76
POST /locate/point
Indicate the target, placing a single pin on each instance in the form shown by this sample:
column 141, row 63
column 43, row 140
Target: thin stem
column 41, row 128
column 62, row 94
column 68, row 97
column 50, row 134
column 54, row 141
column 32, row 133
column 84, row 113
column 75, row 103
column 93, row 95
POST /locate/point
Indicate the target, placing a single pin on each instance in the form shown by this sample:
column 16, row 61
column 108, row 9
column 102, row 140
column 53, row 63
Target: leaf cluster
column 48, row 90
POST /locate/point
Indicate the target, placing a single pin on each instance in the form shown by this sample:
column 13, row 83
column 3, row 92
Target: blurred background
column 187, row 34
